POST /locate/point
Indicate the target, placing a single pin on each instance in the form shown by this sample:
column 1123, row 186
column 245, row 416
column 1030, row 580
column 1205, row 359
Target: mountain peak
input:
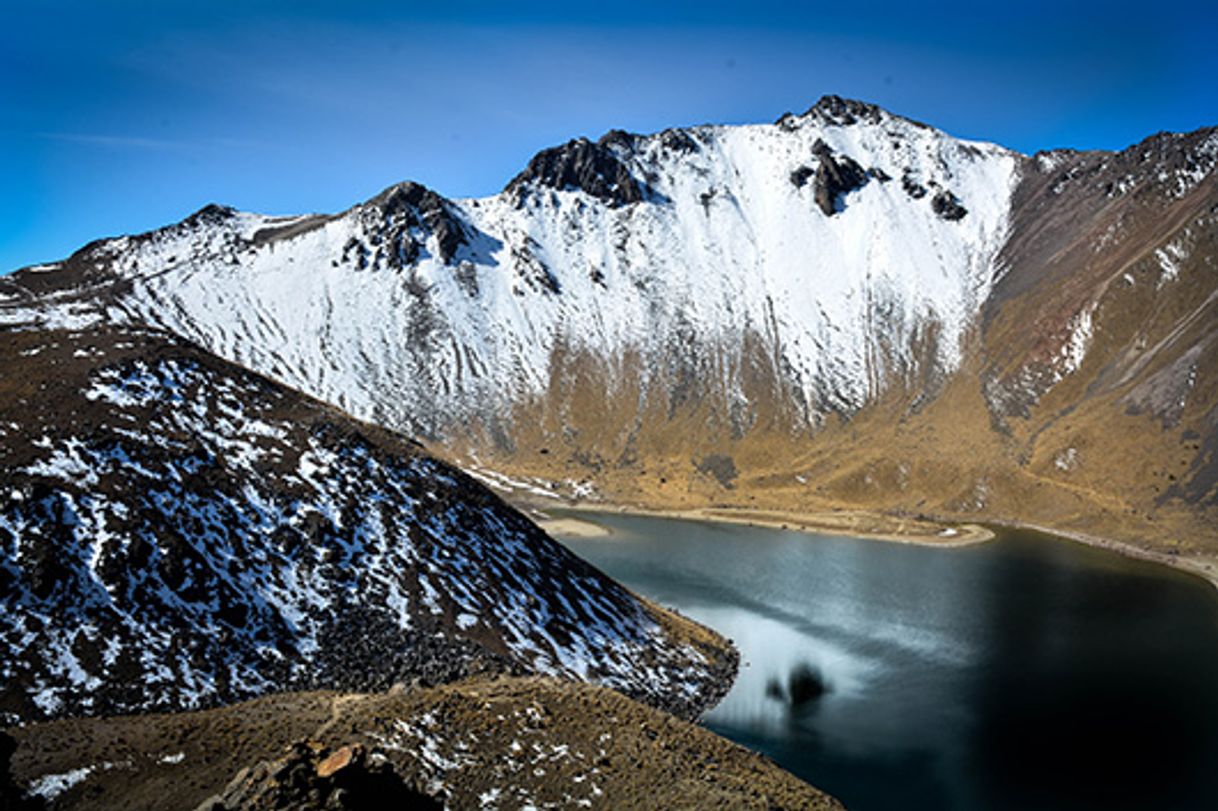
column 833, row 110
column 594, row 167
column 211, row 213
column 396, row 214
column 845, row 112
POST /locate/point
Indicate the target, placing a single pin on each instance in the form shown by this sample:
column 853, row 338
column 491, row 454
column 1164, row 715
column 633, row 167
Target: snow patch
column 52, row 785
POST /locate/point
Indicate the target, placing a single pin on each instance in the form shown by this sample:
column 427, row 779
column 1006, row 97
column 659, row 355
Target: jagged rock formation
column 177, row 532
column 581, row 165
column 849, row 306
column 835, row 178
column 397, row 223
column 947, row 206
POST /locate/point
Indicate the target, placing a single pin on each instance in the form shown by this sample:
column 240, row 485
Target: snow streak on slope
column 176, row 532
column 420, row 312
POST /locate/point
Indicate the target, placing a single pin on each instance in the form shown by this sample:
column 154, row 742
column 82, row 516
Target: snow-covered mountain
column 843, row 307
column 851, row 247
column 177, row 532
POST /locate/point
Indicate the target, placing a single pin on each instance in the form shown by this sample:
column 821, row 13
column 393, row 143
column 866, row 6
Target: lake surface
column 1025, row 673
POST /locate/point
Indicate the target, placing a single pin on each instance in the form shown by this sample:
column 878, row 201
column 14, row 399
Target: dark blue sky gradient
column 117, row 117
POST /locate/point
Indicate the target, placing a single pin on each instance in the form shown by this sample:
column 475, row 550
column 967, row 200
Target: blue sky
column 120, row 116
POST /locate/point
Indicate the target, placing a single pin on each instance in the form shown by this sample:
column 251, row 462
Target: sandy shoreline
column 570, row 527
column 853, row 523
column 863, row 525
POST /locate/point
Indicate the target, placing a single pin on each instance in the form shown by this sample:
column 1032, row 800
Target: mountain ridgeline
column 843, row 308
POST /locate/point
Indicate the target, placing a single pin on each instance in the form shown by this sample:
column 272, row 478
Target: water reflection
column 771, row 652
column 1026, row 673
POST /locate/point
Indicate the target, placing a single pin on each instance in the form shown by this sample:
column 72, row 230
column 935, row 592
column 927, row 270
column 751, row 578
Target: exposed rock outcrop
column 845, row 112
column 594, row 168
column 312, row 776
column 397, row 227
column 948, row 206
column 836, row 176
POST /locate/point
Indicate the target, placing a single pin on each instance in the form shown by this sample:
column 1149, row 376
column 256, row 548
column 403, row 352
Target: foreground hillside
column 508, row 743
column 177, row 532
column 844, row 308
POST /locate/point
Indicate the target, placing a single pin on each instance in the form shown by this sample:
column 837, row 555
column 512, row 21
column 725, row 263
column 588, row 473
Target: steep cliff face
column 178, row 532
column 843, row 307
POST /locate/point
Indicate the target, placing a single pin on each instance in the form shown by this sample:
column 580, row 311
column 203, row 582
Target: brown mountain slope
column 1101, row 340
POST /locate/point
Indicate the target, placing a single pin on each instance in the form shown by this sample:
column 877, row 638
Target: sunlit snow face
column 724, row 248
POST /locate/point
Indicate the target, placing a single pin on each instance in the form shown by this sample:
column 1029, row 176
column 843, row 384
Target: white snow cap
column 377, row 312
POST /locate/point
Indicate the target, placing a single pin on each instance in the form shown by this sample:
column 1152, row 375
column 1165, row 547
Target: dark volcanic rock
column 948, row 206
column 835, row 177
column 912, row 187
column 675, row 140
column 593, row 168
column 619, row 138
column 396, row 226
column 844, row 112
column 210, row 214
column 799, row 178
column 412, row 205
column 311, row 776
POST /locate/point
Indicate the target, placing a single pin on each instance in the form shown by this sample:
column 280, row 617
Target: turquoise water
column 1025, row 673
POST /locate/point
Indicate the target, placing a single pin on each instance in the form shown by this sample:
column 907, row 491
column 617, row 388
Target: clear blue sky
column 120, row 116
